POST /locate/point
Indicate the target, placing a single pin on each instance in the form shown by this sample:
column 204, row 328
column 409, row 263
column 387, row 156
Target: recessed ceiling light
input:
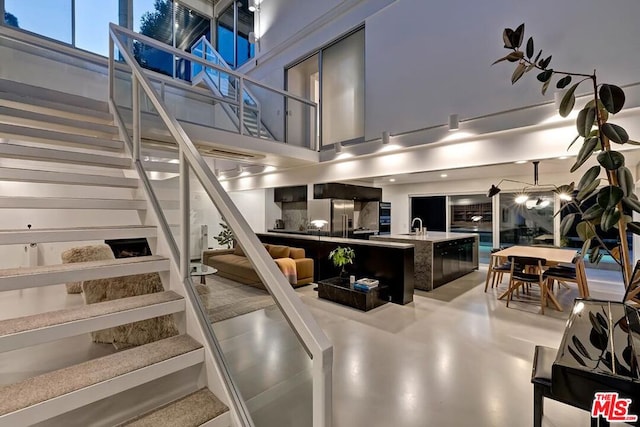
column 519, row 162
column 563, row 157
column 443, row 175
column 392, row 180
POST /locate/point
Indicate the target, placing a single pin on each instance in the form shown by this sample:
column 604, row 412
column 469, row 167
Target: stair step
column 190, row 411
column 23, row 133
column 16, row 151
column 53, row 177
column 45, row 275
column 70, row 203
column 9, row 99
column 76, row 234
column 54, row 325
column 46, row 94
column 21, row 117
column 44, row 396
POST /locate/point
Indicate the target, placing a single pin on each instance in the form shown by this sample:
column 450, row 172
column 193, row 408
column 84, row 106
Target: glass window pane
column 154, row 18
column 225, row 36
column 49, row 18
column 92, row 24
column 189, row 28
column 343, row 90
column 473, row 214
column 526, row 223
column 245, row 26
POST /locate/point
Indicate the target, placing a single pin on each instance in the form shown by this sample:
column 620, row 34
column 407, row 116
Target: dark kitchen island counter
column 439, row 257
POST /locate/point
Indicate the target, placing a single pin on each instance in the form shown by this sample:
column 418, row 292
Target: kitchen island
column 439, row 257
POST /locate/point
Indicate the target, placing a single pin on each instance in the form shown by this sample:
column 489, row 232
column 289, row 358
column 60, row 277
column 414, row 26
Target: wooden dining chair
column 563, row 274
column 528, row 270
column 498, row 266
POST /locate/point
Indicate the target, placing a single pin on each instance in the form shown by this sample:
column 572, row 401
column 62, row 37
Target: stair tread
column 12, row 115
column 75, row 266
column 30, row 133
column 87, row 311
column 74, row 234
column 70, row 203
column 190, row 411
column 69, row 178
column 64, row 156
column 102, row 227
column 63, row 381
column 17, row 100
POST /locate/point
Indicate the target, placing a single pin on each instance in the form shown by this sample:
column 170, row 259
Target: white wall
column 426, row 60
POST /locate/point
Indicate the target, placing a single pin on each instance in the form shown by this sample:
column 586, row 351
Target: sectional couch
column 234, row 265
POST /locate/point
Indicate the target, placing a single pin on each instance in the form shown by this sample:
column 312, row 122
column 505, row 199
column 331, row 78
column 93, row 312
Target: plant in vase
column 599, row 209
column 341, row 257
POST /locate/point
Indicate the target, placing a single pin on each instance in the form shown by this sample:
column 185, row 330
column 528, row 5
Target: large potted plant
column 341, row 257
column 598, row 134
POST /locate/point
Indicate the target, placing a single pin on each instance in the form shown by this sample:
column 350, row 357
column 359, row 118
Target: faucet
column 420, row 222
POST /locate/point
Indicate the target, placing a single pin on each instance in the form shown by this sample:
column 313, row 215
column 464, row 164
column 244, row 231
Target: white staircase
column 63, row 169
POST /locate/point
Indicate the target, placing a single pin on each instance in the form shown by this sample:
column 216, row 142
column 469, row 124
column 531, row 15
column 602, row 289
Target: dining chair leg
column 489, row 273
column 543, row 296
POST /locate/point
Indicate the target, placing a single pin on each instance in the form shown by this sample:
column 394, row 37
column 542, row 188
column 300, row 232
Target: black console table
column 338, row 290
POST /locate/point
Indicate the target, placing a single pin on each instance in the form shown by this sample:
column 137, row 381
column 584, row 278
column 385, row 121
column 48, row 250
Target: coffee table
column 202, row 270
column 338, row 290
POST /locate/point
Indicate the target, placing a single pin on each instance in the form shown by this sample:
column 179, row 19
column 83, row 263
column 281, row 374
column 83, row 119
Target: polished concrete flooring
column 455, row 356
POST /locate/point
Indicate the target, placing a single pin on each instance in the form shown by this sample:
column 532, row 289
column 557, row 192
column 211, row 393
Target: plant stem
column 612, row 177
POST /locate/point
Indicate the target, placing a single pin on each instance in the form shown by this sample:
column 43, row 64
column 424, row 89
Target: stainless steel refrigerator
column 338, row 214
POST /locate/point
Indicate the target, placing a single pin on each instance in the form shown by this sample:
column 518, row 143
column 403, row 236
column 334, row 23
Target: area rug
column 224, row 298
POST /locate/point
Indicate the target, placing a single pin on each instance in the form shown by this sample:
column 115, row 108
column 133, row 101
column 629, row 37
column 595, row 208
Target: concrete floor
column 456, row 356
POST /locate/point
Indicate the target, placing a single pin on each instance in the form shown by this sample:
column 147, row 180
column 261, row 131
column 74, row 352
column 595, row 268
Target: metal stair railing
column 310, row 335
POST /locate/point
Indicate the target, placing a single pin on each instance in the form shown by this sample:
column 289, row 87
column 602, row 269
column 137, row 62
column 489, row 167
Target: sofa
column 234, row 265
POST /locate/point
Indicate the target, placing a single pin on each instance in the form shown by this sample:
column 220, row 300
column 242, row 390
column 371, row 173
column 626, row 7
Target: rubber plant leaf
column 611, row 160
column 615, row 133
column 586, row 119
column 612, row 97
column 568, row 101
column 566, row 224
column 610, row 196
column 625, row 181
column 588, row 147
column 588, row 177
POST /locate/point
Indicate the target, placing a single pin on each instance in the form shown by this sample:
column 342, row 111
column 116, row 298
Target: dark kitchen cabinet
column 452, row 259
column 290, row 194
column 335, row 190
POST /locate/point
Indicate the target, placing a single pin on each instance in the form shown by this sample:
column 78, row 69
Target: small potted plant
column 341, row 257
column 225, row 237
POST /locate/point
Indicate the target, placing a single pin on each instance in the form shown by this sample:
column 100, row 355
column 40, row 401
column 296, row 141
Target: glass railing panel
column 271, row 109
column 122, row 93
column 302, row 124
column 160, row 159
column 268, row 363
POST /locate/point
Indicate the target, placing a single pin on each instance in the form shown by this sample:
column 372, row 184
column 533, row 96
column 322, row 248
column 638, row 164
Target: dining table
column 554, row 256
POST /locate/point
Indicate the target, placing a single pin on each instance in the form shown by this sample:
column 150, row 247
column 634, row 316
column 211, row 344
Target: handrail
column 295, row 312
column 186, row 55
